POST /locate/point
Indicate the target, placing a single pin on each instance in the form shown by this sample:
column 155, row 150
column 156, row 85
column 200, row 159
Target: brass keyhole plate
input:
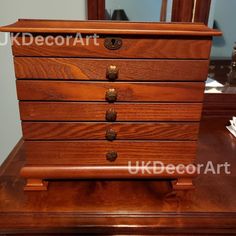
column 113, row 43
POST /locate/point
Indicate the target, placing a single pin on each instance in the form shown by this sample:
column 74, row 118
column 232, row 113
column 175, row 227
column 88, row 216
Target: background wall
column 225, row 18
column 137, row 10
column 10, row 11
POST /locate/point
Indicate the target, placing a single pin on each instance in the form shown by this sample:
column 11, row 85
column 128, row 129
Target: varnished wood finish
column 153, row 47
column 183, row 183
column 191, row 11
column 96, row 9
column 75, row 111
column 129, row 70
column 202, row 11
column 104, row 172
column 163, row 12
column 95, row 130
column 92, row 8
column 36, row 185
column 87, row 153
column 109, row 27
column 220, row 105
column 96, row 91
column 182, row 10
column 144, row 93
column 126, row 207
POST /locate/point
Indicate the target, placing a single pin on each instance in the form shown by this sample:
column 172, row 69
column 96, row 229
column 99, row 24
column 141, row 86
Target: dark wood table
column 126, row 207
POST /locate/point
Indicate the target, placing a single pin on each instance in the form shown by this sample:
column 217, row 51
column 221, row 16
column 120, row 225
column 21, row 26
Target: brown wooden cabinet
column 132, row 94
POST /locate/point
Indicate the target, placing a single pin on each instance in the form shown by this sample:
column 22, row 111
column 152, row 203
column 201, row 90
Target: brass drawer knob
column 111, row 115
column 112, row 72
column 111, row 156
column 111, row 95
column 111, row 134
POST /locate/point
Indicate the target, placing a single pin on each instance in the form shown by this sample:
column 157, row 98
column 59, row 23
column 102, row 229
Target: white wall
column 10, row 11
column 224, row 15
column 137, row 10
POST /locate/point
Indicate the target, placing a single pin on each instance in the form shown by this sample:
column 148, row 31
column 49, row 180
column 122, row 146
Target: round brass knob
column 111, row 115
column 111, row 156
column 111, row 95
column 111, row 134
column 112, row 72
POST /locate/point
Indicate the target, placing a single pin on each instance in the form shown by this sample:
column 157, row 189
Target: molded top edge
column 109, row 27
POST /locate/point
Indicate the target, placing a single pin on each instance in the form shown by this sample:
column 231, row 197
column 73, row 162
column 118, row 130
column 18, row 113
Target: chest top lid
column 109, row 27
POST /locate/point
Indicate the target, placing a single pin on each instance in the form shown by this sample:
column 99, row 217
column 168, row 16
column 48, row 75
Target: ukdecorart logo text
column 27, row 39
column 158, row 167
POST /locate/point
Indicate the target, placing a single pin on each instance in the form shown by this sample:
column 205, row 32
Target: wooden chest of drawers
column 111, row 105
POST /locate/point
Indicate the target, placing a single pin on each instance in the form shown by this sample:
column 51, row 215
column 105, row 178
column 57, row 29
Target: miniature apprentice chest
column 109, row 99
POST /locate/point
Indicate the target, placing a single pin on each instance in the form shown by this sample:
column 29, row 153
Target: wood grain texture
column 95, row 69
column 101, row 173
column 36, row 185
column 202, row 11
column 183, row 184
column 86, row 153
column 182, row 10
column 74, row 206
column 96, row 91
column 95, row 130
column 132, row 47
column 96, row 9
column 140, row 100
column 109, row 27
column 75, row 111
column 219, row 105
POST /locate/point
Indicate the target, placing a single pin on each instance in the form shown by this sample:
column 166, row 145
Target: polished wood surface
column 89, row 153
column 85, row 111
column 182, row 10
column 162, row 98
column 36, row 185
column 128, row 70
column 191, row 11
column 132, row 47
column 127, row 207
column 97, row 130
column 202, row 11
column 96, row 91
column 220, row 105
column 109, row 27
column 60, row 172
column 96, row 9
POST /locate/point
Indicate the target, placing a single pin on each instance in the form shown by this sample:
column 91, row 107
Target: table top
column 127, row 206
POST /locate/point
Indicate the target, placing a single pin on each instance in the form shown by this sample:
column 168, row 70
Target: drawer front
column 99, row 152
column 102, row 91
column 79, row 111
column 110, row 131
column 138, row 47
column 121, row 70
